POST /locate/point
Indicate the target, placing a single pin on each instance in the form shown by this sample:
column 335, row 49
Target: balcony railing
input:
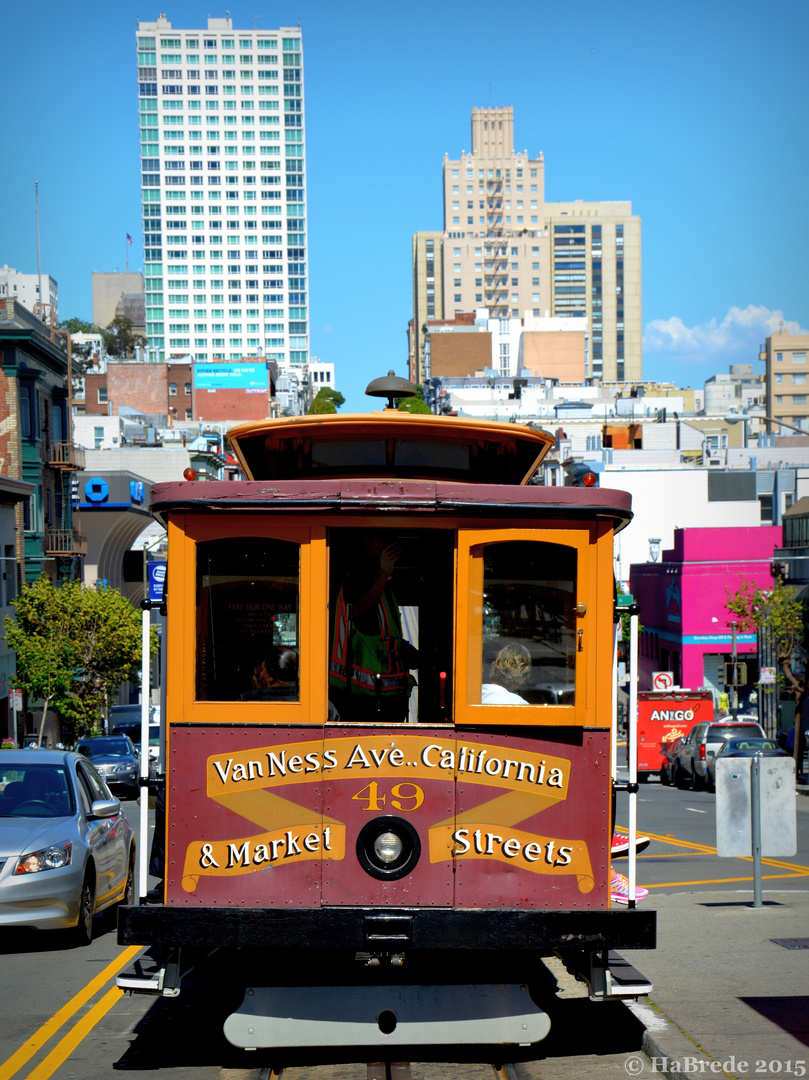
column 64, row 455
column 65, row 542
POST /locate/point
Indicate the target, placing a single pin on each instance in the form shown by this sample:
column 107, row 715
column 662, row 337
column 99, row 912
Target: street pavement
column 728, row 996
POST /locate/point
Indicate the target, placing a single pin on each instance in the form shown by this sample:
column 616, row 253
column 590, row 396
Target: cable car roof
column 391, row 443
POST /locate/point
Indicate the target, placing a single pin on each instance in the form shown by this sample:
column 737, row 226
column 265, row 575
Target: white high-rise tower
column 224, row 191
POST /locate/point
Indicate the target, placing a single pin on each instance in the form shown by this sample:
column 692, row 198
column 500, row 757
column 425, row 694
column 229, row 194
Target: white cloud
column 736, row 339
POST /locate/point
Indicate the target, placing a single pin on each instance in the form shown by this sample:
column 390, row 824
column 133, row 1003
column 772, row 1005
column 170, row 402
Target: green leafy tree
column 75, row 646
column 326, row 401
column 782, row 614
column 81, row 353
column 78, row 326
column 40, row 636
column 119, row 340
column 415, row 404
column 321, row 406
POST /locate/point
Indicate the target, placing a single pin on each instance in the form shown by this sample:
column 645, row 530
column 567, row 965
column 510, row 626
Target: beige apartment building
column 506, row 250
column 787, row 378
column 109, row 288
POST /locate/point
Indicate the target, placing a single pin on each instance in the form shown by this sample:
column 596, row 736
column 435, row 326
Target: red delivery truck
column 663, row 716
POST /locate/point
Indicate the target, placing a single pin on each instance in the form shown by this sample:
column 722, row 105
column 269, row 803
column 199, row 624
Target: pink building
column 686, row 626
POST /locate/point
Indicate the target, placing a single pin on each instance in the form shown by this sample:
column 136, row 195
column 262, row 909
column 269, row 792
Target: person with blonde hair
column 508, row 671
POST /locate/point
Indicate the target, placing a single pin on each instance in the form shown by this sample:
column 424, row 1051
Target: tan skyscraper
column 503, row 248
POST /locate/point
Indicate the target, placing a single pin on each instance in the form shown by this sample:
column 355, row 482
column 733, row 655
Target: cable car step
column 501, row 1014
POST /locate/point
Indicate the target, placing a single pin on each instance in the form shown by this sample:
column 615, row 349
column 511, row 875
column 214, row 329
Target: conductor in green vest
column 370, row 664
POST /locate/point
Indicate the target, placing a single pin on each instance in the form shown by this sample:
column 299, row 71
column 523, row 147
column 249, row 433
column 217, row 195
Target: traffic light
column 741, row 674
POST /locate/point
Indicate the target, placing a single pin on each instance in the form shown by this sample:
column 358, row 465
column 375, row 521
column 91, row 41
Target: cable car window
column 529, row 624
column 445, row 457
column 348, row 455
column 247, row 610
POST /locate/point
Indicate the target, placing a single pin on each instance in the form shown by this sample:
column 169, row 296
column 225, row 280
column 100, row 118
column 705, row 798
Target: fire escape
column 496, row 252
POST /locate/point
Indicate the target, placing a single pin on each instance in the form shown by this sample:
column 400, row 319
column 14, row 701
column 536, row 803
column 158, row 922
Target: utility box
column 734, row 834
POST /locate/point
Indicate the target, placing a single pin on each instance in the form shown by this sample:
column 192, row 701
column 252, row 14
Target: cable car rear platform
column 360, row 928
column 320, row 946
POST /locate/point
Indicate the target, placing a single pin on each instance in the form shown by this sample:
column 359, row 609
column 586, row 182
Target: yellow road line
column 83, row 1026
column 691, row 848
column 50, row 1027
column 724, row 881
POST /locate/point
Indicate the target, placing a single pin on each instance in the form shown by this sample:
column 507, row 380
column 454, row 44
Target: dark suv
column 116, row 759
column 690, row 768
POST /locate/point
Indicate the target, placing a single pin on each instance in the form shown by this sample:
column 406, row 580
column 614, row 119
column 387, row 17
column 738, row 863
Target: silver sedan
column 67, row 851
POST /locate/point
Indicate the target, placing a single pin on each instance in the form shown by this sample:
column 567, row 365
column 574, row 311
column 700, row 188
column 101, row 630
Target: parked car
column 669, row 758
column 67, row 851
column 743, row 747
column 690, row 767
column 116, row 759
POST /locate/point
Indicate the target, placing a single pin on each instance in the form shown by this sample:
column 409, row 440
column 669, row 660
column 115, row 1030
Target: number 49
column 399, row 795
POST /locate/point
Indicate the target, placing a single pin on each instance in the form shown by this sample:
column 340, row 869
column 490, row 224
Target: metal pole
column 143, row 871
column 39, row 260
column 755, row 822
column 614, row 748
column 734, row 690
column 632, row 747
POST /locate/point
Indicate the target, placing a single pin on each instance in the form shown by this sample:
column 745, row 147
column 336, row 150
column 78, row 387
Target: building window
column 797, row 357
column 102, row 395
column 188, row 389
column 172, row 389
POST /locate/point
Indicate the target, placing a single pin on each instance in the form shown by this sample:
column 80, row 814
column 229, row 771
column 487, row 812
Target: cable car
column 389, row 702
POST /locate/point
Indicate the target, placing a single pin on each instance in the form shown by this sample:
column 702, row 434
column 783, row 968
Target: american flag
column 128, row 238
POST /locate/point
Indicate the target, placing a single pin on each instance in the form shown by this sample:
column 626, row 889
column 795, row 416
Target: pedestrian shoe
column 620, row 844
column 619, row 890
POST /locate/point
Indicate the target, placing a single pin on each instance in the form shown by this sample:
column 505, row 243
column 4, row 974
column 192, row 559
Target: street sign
column 662, row 680
column 157, row 579
column 16, row 700
column 767, row 676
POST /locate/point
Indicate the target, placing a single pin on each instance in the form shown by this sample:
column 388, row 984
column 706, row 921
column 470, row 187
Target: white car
column 67, row 851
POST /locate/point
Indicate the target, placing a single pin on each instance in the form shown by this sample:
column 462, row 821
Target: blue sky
column 695, row 112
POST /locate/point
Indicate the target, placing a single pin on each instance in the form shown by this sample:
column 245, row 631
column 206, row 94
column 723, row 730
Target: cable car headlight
column 388, row 848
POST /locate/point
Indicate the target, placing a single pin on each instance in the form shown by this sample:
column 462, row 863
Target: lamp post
column 734, row 418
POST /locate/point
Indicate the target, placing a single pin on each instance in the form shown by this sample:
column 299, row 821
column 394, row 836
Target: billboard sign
column 253, row 378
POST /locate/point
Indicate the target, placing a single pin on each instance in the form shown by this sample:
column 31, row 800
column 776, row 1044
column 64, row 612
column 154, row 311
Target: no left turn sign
column 662, row 680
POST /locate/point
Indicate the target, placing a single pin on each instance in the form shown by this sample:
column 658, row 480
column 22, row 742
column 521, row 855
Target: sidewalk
column 726, row 997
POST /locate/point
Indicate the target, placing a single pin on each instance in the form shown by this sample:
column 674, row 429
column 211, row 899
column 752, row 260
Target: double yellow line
column 71, row 1039
column 796, row 870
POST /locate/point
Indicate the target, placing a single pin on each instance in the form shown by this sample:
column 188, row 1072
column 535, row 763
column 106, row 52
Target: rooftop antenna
column 39, row 260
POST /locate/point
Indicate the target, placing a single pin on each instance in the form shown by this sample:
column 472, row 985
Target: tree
column 81, row 353
column 75, row 646
column 41, row 638
column 782, row 614
column 119, row 340
column 327, row 401
column 779, row 611
column 321, row 406
column 78, row 326
column 415, row 404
